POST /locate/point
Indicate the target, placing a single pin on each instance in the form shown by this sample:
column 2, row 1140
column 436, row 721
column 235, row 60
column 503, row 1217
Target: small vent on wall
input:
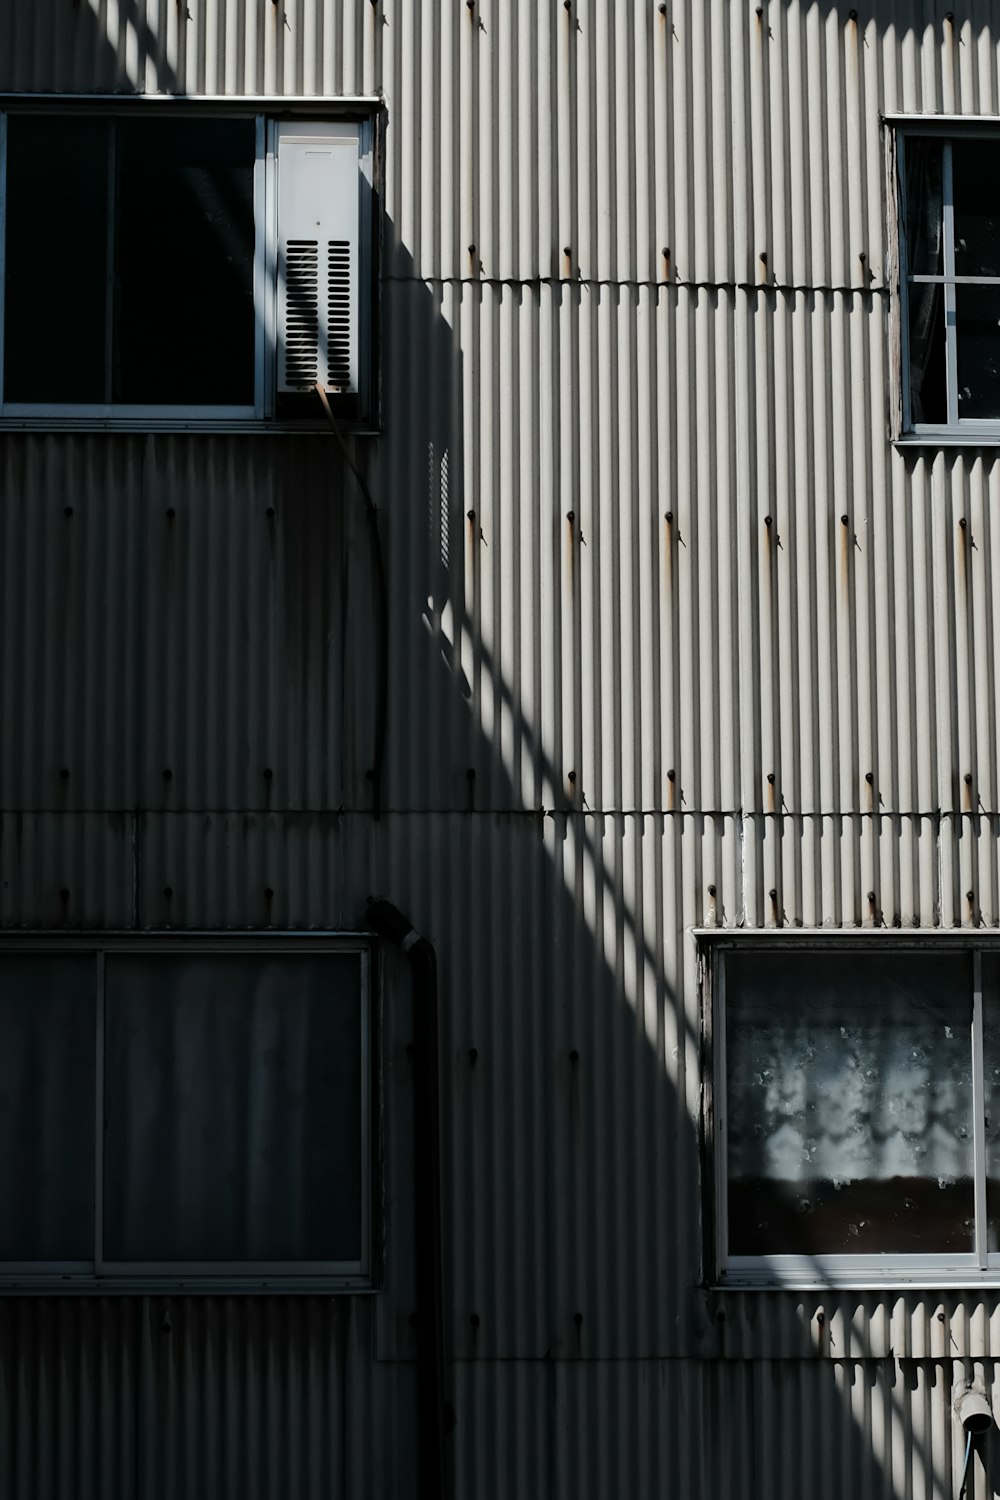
column 339, row 313
column 301, row 312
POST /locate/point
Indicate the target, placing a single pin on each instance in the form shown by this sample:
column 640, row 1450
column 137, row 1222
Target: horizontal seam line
column 583, row 281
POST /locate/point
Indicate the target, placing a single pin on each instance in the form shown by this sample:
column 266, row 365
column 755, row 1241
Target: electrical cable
column 965, row 1467
column 382, row 607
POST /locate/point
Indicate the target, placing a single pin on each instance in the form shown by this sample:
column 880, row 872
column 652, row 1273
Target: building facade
column 690, row 633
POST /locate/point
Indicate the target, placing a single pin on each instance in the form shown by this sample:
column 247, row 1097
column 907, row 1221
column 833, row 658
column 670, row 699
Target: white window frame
column 102, row 1275
column 267, row 112
column 800, row 1272
column 948, row 128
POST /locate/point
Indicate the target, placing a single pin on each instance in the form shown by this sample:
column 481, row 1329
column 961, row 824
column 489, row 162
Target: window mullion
column 99, row 1119
column 109, row 268
column 3, row 239
column 978, row 1108
column 951, row 340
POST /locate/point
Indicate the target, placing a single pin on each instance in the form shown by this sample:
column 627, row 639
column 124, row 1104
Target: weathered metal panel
column 597, row 141
column 204, row 1396
column 64, row 869
column 662, row 598
column 170, row 621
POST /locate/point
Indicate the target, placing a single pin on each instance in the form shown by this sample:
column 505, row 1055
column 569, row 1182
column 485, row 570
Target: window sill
column 947, row 440
column 245, row 427
column 925, row 1273
column 235, row 1285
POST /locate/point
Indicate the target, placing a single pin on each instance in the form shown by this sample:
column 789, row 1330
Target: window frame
column 103, row 1276
column 360, row 415
column 813, row 1272
column 957, row 431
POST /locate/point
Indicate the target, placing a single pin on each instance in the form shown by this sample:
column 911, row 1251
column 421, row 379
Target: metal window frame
column 956, row 430
column 259, row 416
column 813, row 1272
column 102, row 1275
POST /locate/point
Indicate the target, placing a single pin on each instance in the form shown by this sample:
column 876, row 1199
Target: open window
column 164, row 266
column 950, row 281
column 185, row 1112
column 856, row 1112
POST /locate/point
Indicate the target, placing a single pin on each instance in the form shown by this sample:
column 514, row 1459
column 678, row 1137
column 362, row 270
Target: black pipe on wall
column 389, row 923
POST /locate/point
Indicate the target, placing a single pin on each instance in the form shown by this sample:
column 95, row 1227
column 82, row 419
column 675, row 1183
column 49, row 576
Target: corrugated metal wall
column 677, row 639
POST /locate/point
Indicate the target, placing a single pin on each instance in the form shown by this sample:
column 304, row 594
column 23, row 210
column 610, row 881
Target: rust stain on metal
column 665, row 257
column 967, row 797
column 844, row 557
column 470, row 538
column 671, row 790
column 770, row 794
column 567, row 263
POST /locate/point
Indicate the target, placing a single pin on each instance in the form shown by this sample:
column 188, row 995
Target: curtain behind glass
column 925, row 300
column 849, row 1097
column 233, row 1103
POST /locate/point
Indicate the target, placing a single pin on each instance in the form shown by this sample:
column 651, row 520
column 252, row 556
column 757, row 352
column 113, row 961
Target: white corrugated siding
column 663, row 599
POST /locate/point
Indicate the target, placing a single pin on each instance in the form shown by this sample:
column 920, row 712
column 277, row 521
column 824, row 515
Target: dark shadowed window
column 185, row 1111
column 161, row 265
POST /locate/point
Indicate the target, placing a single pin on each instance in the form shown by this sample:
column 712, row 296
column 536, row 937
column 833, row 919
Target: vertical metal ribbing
column 99, row 1116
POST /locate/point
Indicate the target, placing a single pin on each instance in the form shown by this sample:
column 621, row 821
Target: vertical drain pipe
column 389, row 923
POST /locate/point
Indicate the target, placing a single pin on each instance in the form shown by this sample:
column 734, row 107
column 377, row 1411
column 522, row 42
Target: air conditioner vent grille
column 339, row 313
column 301, row 313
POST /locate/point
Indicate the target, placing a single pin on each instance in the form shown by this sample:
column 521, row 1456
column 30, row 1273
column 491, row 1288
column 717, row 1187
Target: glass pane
column 57, row 259
column 184, row 248
column 233, row 1108
column 991, row 1069
column 849, row 1097
column 924, row 215
column 978, row 326
column 47, row 1072
column 928, row 383
column 976, row 165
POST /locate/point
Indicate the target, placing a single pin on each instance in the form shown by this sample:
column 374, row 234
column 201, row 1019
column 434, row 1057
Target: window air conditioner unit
column 319, row 224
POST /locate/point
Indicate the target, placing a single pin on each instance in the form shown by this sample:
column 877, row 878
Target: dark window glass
column 184, row 243
column 928, row 385
column 849, row 1097
column 977, row 322
column 233, row 1108
column 129, row 261
column 56, row 271
column 47, row 1082
column 924, row 212
column 975, row 173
